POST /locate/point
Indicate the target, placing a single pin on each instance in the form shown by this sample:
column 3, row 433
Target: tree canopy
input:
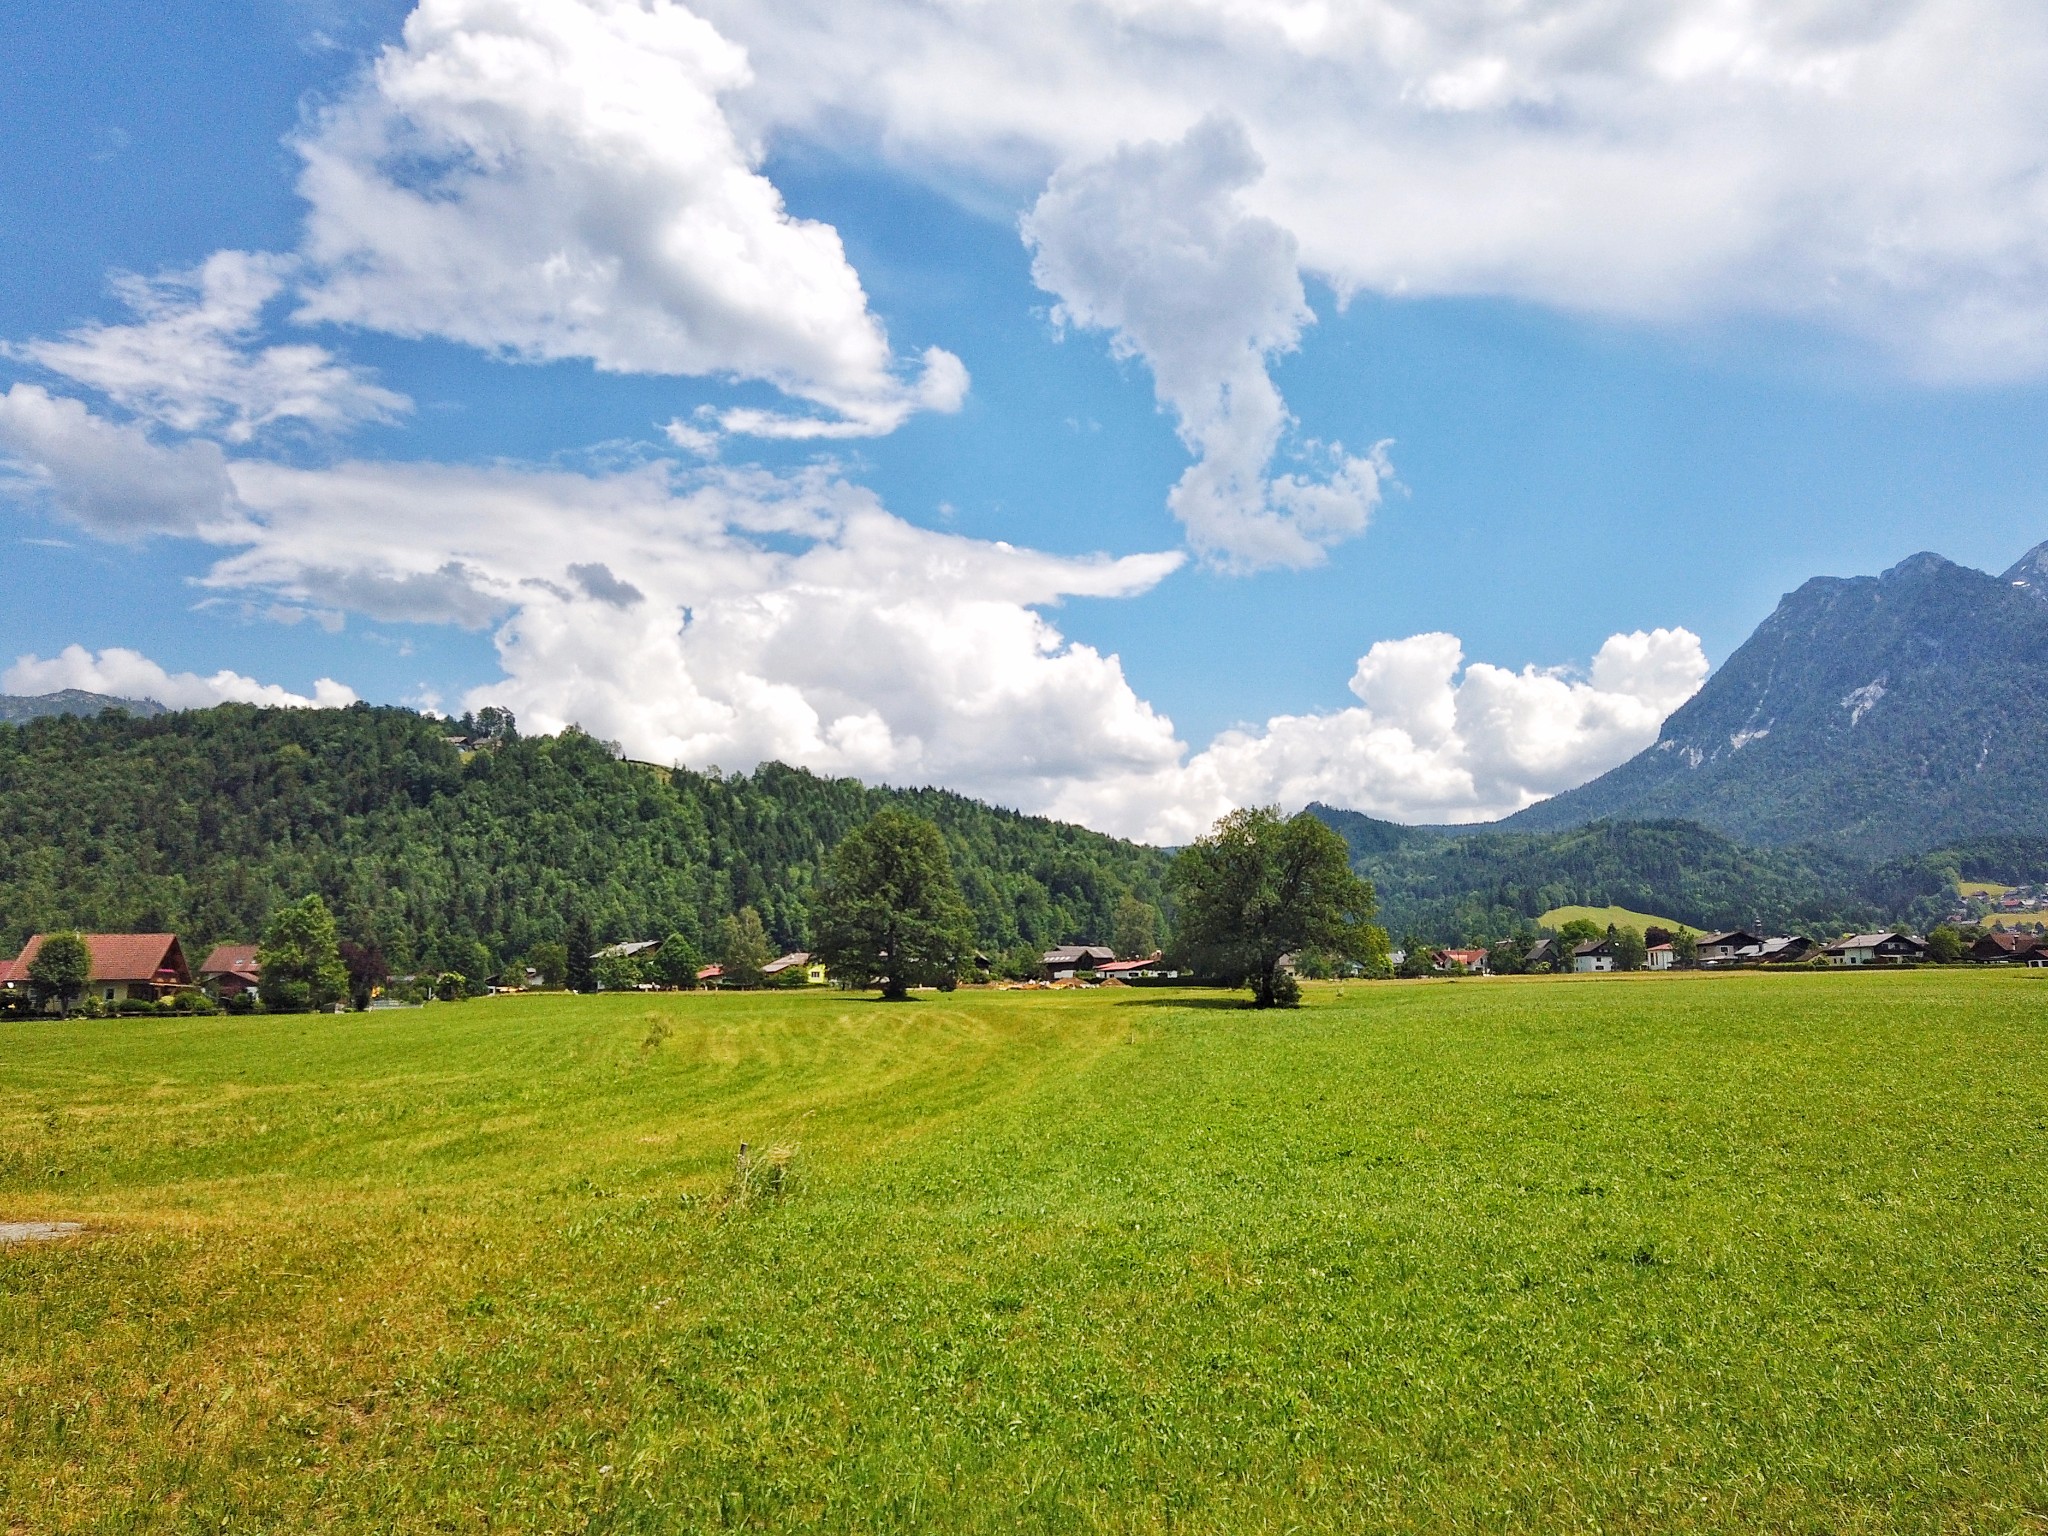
column 61, row 968
column 301, row 958
column 892, row 911
column 201, row 822
column 1261, row 887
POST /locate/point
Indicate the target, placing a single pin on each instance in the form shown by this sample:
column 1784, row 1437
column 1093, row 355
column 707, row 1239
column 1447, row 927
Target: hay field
column 1627, row 1253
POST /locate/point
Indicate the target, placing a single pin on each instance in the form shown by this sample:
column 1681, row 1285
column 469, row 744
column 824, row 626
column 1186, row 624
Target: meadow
column 1606, row 917
column 1616, row 1253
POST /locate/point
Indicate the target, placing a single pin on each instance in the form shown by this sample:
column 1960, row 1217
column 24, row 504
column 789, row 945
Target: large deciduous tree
column 892, row 911
column 1261, row 887
column 301, row 958
column 60, row 970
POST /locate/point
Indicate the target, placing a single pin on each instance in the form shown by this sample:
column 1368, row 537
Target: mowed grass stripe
column 1629, row 1253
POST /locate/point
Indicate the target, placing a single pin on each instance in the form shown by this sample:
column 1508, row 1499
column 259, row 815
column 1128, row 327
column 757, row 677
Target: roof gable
column 122, row 956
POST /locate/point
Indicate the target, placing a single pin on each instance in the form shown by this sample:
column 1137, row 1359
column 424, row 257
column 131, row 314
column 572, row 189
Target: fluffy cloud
column 726, row 616
column 190, row 361
column 557, row 179
column 110, row 476
column 1874, row 167
column 1152, row 245
column 1425, row 744
column 734, row 616
column 131, row 675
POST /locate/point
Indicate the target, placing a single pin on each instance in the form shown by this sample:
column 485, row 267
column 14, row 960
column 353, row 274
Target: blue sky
column 1560, row 469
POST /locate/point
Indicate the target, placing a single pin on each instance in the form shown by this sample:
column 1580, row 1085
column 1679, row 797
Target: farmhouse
column 1725, row 948
column 124, row 965
column 231, row 970
column 1063, row 963
column 798, row 961
column 2001, row 948
column 1469, row 960
column 1149, row 968
column 1594, row 955
column 1876, row 949
column 1794, row 949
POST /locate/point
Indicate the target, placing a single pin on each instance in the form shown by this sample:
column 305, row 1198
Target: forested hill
column 1481, row 885
column 200, row 822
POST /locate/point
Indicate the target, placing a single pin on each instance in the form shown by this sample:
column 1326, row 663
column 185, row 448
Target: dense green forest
column 200, row 822
column 1481, row 886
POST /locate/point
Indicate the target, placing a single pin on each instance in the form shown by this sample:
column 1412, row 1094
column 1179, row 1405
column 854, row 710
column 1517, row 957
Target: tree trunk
column 894, row 990
column 1262, row 987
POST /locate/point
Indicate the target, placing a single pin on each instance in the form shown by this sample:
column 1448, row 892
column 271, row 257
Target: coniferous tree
column 743, row 949
column 580, row 970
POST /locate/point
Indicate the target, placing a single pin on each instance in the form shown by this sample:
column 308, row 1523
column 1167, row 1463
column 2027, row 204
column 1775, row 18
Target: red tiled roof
column 123, row 956
column 238, row 959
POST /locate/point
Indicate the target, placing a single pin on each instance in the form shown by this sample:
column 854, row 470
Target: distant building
column 1542, row 955
column 1470, row 960
column 2001, row 948
column 1070, row 959
column 1594, row 955
column 1727, row 948
column 1151, row 968
column 628, row 949
column 143, row 966
column 1659, row 957
column 231, row 970
column 1793, row 949
column 1876, row 949
column 813, row 970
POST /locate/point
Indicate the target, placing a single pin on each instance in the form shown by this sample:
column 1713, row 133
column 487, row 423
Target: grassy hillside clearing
column 1616, row 1253
column 1620, row 917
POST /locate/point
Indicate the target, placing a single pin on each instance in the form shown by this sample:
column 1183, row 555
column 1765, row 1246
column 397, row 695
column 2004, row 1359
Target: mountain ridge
column 1874, row 715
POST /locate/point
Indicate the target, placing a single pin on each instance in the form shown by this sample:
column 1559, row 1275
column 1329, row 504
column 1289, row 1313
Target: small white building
column 1594, row 955
column 1659, row 957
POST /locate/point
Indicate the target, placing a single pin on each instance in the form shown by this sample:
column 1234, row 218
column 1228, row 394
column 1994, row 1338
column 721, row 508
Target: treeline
column 203, row 822
column 1482, row 887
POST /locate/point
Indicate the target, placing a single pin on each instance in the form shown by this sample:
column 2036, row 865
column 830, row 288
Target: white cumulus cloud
column 557, row 179
column 1426, row 742
column 131, row 675
column 190, row 361
column 110, row 476
column 1152, row 244
column 1874, row 167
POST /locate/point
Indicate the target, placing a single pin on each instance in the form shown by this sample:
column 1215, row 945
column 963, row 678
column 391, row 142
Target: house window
column 107, row 996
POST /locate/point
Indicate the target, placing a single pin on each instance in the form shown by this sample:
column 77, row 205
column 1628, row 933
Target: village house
column 813, row 970
column 1876, row 949
column 231, row 970
column 1727, row 948
column 143, row 966
column 1793, row 949
column 1659, row 957
column 2001, row 948
column 1151, row 968
column 1542, row 955
column 1472, row 961
column 1067, row 961
column 1594, row 955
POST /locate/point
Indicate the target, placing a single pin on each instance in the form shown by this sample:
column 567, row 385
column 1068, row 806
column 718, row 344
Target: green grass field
column 1619, row 917
column 1624, row 1253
